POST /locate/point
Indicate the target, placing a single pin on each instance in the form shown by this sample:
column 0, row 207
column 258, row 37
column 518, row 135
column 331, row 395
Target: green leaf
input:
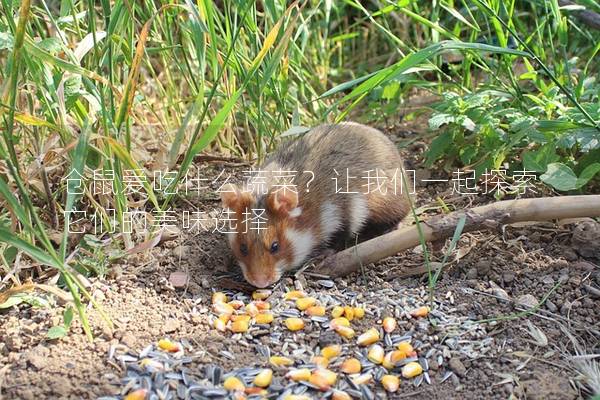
column 437, row 120
column 68, row 317
column 438, row 147
column 538, row 160
column 32, row 251
column 6, row 41
column 13, row 301
column 56, row 332
column 51, row 45
column 560, row 177
column 587, row 174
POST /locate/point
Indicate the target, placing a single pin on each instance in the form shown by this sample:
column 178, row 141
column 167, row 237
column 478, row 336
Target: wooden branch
column 479, row 218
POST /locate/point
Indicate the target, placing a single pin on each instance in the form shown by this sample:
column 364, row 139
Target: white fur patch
column 302, row 242
column 243, row 266
column 296, row 212
column 359, row 212
column 280, row 267
column 331, row 219
column 230, row 237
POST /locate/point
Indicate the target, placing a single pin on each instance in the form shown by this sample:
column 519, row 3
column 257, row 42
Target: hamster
column 278, row 226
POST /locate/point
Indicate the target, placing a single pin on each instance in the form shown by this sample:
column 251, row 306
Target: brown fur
column 325, row 148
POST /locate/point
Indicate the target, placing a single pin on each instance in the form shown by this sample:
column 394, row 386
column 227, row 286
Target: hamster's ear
column 282, row 201
column 232, row 197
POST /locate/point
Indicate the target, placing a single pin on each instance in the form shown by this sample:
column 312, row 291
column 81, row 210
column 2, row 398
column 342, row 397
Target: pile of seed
column 320, row 345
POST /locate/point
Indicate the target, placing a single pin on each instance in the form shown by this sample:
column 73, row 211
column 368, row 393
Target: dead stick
column 479, row 218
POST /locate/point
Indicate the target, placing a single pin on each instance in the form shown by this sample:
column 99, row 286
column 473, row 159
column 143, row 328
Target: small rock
column 499, row 292
column 472, row 273
column 457, row 367
column 508, row 277
column 483, row 267
column 565, row 308
column 551, row 306
column 37, row 358
column 583, row 266
column 14, row 343
column 180, row 251
column 327, row 338
column 570, row 255
column 548, row 280
column 129, row 340
column 205, row 283
column 178, row 279
column 527, row 301
column 171, row 325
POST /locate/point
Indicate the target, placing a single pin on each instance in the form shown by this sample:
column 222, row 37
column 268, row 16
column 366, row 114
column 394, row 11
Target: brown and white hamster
column 340, row 200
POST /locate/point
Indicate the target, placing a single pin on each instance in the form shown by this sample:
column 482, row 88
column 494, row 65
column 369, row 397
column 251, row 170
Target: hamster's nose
column 260, row 283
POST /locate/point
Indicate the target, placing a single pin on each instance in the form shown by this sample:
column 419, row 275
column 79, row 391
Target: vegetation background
column 99, row 88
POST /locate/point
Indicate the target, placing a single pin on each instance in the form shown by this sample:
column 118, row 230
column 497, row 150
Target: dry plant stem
column 479, row 218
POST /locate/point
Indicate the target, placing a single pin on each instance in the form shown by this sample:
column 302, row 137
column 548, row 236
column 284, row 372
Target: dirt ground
column 492, row 276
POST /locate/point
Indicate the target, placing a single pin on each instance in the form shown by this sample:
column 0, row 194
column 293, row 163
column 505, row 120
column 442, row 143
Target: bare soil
column 487, row 278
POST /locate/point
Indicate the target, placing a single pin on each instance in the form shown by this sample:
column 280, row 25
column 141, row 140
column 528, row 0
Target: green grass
column 85, row 85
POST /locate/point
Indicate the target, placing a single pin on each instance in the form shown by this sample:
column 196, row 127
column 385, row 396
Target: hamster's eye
column 244, row 249
column 274, row 247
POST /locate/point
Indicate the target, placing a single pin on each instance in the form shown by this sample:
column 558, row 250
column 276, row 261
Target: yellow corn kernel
column 392, row 358
column 294, row 295
column 256, row 391
column 261, row 294
column 340, row 395
column 363, row 379
column 297, row 397
column 412, row 369
column 167, row 345
column 219, row 297
column 222, row 308
column 351, row 366
column 420, row 312
column 240, row 317
column 406, row 348
column 376, row 354
column 369, row 337
column 315, row 311
column 240, row 326
column 219, row 325
column 391, row 383
column 305, row 302
column 340, row 321
column 234, row 384
column 264, row 377
column 281, row 361
column 349, row 313
column 389, row 324
column 294, row 324
column 301, row 374
column 332, row 351
column 320, row 361
column 139, row 394
column 262, row 305
column 225, row 317
column 152, row 364
column 319, row 381
column 329, row 375
column 337, row 311
column 359, row 312
column 252, row 310
column 236, row 304
column 345, row 332
column 263, row 318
